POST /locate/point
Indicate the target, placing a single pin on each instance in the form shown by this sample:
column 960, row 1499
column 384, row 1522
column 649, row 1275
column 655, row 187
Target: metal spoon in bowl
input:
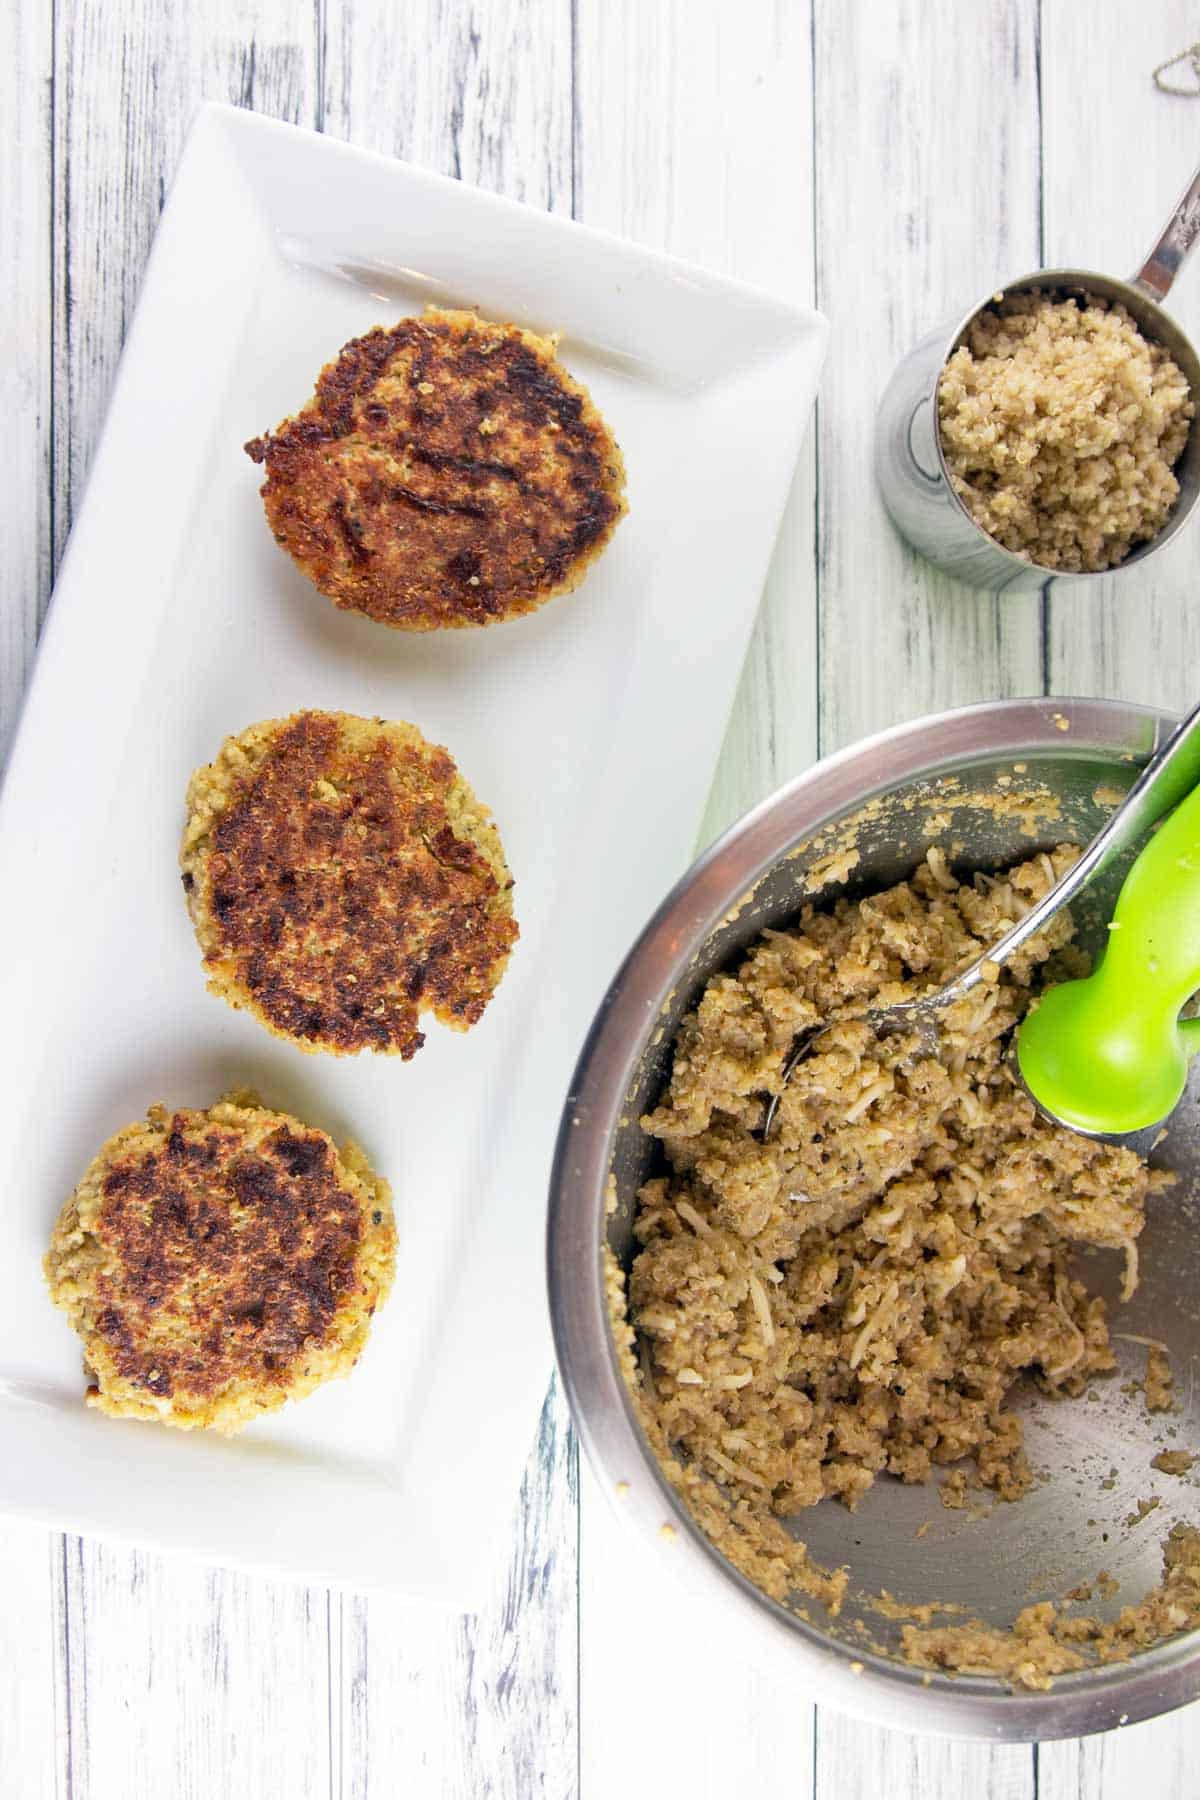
column 1168, row 778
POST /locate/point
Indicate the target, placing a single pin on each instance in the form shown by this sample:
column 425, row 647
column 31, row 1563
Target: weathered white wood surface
column 890, row 162
column 1103, row 206
column 26, row 391
column 1118, row 154
column 908, row 230
column 927, row 189
column 427, row 1704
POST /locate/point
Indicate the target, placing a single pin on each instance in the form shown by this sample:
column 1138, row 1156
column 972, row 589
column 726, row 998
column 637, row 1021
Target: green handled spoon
column 1106, row 1056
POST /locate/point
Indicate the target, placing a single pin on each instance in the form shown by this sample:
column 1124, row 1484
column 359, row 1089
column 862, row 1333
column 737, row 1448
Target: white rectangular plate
column 590, row 728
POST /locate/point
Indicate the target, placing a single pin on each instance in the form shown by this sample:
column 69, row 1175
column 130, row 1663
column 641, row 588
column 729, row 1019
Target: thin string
column 1190, row 58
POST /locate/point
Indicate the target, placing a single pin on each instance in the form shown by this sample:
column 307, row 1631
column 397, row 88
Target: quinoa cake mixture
column 1061, row 427
column 860, row 1295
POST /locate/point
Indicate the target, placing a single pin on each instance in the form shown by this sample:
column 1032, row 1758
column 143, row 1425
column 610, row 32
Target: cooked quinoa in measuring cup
column 1061, row 426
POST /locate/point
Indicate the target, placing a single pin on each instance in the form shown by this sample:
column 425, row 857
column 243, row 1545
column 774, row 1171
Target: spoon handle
column 1152, row 959
column 1106, row 1054
column 1173, row 247
column 1167, row 779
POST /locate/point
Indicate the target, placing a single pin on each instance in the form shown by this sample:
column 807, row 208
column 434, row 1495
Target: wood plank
column 480, row 93
column 927, row 193
column 862, row 1762
column 134, row 1620
column 756, row 1719
column 125, row 95
column 1136, row 636
column 192, row 1682
column 429, row 1703
column 175, row 1680
column 33, row 1738
column 432, row 1704
column 691, row 118
column 664, row 1709
column 694, row 136
column 912, row 123
column 32, row 1717
column 25, row 375
column 1158, row 1759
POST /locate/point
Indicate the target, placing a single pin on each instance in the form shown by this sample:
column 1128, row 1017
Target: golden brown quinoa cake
column 219, row 1263
column 446, row 472
column 343, row 879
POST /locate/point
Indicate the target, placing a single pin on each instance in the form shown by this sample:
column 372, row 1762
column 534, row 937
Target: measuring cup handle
column 1174, row 246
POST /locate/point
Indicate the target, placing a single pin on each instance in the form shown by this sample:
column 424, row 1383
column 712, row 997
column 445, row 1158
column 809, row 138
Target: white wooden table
column 890, row 159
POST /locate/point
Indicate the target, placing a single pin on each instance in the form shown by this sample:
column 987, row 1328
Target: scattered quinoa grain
column 1172, row 1462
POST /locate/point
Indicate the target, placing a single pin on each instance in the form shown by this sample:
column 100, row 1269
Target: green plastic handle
column 1110, row 1053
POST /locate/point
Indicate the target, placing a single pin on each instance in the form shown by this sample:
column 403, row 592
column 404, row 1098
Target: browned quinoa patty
column 446, row 472
column 219, row 1263
column 343, row 879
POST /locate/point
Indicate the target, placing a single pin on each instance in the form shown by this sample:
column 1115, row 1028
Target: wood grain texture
column 482, row 1706
column 126, row 84
column 485, row 1705
column 479, row 92
column 33, row 1734
column 691, row 122
column 1134, row 636
column 1155, row 1761
column 664, row 1708
column 909, row 235
column 910, row 182
column 694, row 135
column 191, row 1682
column 25, row 369
column 859, row 1762
column 176, row 1681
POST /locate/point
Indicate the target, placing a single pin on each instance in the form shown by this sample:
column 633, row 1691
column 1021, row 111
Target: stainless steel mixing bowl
column 1060, row 765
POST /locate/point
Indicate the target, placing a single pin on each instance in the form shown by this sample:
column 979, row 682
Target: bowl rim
column 855, row 1680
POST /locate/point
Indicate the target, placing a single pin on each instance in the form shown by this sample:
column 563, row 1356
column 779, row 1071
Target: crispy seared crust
column 446, row 472
column 217, row 1264
column 343, row 879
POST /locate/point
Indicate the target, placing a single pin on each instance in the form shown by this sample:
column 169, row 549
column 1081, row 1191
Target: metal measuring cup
column 909, row 464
